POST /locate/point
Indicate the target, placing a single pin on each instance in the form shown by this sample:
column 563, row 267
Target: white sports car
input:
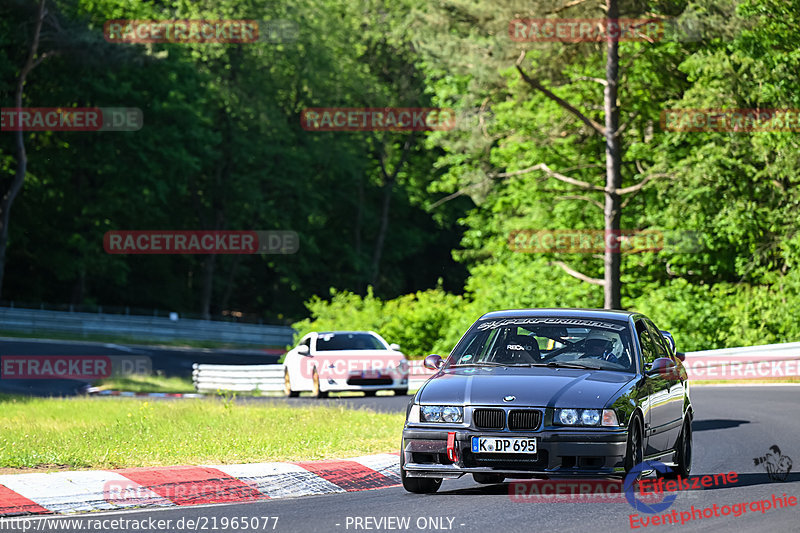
column 335, row 361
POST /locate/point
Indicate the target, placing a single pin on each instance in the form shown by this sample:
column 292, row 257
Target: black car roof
column 596, row 314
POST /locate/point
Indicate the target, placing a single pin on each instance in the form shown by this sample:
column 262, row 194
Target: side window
column 649, row 353
column 661, row 345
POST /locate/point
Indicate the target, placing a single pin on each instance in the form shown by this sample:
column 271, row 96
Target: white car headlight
column 441, row 413
column 568, row 417
column 590, row 417
column 451, row 414
column 585, row 417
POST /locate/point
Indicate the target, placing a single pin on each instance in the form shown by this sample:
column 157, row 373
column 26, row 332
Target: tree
column 12, row 189
column 482, row 64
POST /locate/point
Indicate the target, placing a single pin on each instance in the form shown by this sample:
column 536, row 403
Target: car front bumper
column 559, row 453
column 351, row 384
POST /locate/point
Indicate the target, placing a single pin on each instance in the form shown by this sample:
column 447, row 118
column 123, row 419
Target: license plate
column 504, row 445
column 371, row 374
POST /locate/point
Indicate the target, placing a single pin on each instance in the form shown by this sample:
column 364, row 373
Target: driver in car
column 606, row 346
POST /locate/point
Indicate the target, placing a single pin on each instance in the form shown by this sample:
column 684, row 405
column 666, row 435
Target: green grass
column 127, row 432
column 140, row 383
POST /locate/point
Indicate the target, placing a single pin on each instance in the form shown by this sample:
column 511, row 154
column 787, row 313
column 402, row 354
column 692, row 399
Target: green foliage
column 734, row 195
column 703, row 317
column 222, row 148
column 421, row 323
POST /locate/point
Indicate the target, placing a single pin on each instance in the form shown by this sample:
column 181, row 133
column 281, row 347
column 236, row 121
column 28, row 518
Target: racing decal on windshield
column 550, row 322
column 519, row 347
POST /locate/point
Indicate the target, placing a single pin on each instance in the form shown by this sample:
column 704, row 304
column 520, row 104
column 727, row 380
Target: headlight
column 441, row 413
column 568, row 417
column 590, row 417
column 585, row 417
column 451, row 414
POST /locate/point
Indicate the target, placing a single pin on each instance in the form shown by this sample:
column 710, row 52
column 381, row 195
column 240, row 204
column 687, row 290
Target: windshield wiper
column 563, row 364
column 482, row 363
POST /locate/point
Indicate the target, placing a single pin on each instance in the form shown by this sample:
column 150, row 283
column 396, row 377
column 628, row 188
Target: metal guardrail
column 786, row 349
column 237, row 378
column 767, row 361
column 34, row 321
column 267, row 378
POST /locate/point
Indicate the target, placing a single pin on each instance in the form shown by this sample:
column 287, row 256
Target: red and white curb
column 108, row 490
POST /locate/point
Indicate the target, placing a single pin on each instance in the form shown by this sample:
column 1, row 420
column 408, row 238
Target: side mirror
column 394, row 346
column 303, row 350
column 681, row 356
column 663, row 367
column 670, row 340
column 433, row 362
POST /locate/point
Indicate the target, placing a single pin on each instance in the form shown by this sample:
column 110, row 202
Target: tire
column 287, row 386
column 488, row 479
column 634, row 454
column 418, row 485
column 401, row 392
column 316, row 392
column 370, row 393
column 683, row 453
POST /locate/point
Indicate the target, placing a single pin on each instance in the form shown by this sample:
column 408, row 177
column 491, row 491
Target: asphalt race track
column 170, row 361
column 733, row 425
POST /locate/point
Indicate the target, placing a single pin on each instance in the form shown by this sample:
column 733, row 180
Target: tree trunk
column 361, row 273
column 208, row 285
column 210, row 264
column 229, row 284
column 388, row 187
column 22, row 157
column 612, row 208
column 389, row 180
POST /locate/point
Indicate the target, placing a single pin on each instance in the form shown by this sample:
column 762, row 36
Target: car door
column 657, row 390
column 674, row 405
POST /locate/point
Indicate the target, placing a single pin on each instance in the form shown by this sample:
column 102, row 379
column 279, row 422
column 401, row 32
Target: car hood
column 531, row 386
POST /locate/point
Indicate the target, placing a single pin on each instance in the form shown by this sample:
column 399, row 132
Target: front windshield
column 553, row 342
column 348, row 341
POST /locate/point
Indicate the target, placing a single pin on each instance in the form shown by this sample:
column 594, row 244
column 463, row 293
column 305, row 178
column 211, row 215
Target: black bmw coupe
column 550, row 392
